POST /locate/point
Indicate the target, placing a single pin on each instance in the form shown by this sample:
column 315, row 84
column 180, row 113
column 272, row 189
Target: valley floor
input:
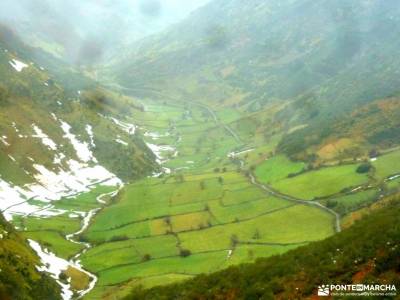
column 220, row 199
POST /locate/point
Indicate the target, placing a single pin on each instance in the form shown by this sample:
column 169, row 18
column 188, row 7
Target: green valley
column 230, row 156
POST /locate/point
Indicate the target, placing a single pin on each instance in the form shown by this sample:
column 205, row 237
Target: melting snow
column 127, row 127
column 58, row 158
column 13, row 201
column 158, row 151
column 155, row 135
column 3, row 139
column 119, row 141
column 18, row 65
column 15, row 127
column 81, row 148
column 52, row 186
column 89, row 130
column 54, row 266
column 45, row 138
column 234, row 154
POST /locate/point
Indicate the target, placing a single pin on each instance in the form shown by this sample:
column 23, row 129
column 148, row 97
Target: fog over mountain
column 199, row 149
column 86, row 31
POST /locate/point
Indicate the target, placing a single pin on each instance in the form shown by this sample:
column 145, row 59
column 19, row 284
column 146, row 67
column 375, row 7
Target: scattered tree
column 202, row 185
column 185, row 253
column 364, row 168
column 234, row 240
column 146, row 257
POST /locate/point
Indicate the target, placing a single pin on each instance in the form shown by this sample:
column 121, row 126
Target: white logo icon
column 323, row 290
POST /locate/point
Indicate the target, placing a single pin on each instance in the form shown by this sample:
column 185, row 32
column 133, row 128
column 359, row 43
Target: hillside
column 63, row 138
column 317, row 61
column 367, row 252
column 28, row 89
column 252, row 129
column 19, row 276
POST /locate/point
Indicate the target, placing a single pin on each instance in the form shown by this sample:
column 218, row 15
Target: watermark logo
column 375, row 290
column 323, row 290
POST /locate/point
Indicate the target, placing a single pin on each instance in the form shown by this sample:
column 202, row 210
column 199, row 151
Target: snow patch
column 234, row 154
column 58, row 158
column 82, row 148
column 119, row 141
column 155, row 135
column 44, row 137
column 89, row 130
column 54, row 266
column 159, row 151
column 14, row 125
column 52, row 186
column 125, row 126
column 18, row 65
column 13, row 201
column 3, row 139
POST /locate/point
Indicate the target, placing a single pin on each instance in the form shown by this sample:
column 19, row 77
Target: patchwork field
column 203, row 213
column 161, row 227
column 321, row 183
column 203, row 217
column 387, row 165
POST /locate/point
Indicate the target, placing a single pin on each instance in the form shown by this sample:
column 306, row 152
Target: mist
column 89, row 31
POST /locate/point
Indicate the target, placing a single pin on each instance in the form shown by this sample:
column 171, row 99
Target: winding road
column 270, row 190
column 277, row 194
column 253, row 180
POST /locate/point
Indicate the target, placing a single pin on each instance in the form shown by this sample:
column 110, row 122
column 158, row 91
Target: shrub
column 119, row 238
column 146, row 257
column 185, row 253
column 364, row 168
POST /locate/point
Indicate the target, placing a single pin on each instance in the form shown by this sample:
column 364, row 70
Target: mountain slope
column 19, row 277
column 367, row 252
column 56, row 142
column 318, row 60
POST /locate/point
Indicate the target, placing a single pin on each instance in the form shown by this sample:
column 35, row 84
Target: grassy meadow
column 206, row 215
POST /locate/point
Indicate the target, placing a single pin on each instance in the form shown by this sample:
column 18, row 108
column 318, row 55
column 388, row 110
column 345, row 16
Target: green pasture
column 387, row 165
column 352, row 202
column 321, row 183
column 277, row 168
column 287, row 226
column 55, row 242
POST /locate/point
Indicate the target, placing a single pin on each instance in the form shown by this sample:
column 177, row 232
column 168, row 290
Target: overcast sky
column 103, row 24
